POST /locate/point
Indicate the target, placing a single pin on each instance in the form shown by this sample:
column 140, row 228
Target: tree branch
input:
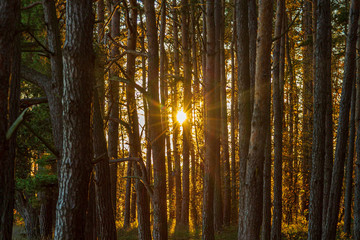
column 27, row 102
column 35, row 77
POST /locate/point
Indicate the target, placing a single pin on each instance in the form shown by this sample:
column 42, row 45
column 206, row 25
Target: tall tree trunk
column 209, row 126
column 30, row 215
column 176, row 124
column 244, row 101
column 90, row 225
column 253, row 27
column 343, row 127
column 9, row 57
column 224, row 130
column 156, row 134
column 259, row 123
column 76, row 159
column 113, row 128
column 218, row 215
column 185, row 18
column 234, row 125
column 278, row 124
column 104, row 209
column 322, row 78
column 307, row 105
column 350, row 166
column 356, row 227
column 134, row 136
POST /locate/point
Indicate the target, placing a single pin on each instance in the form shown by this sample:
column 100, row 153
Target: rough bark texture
column 259, row 123
column 244, row 102
column 209, row 127
column 343, row 127
column 105, row 214
column 278, row 117
column 350, row 166
column 253, row 25
column 9, row 15
column 76, row 159
column 322, row 78
column 30, row 215
column 113, row 128
column 185, row 18
column 155, row 126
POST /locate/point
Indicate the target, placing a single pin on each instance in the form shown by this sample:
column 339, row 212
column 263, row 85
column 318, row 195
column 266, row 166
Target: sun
column 181, row 117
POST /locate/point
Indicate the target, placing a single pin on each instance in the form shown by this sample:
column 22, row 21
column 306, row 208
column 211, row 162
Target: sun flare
column 181, row 117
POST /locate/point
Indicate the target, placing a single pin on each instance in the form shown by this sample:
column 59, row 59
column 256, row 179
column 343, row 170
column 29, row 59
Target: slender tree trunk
column 307, row 105
column 156, row 135
column 9, row 79
column 76, row 159
column 244, row 102
column 278, row 116
column 322, row 78
column 30, row 215
column 176, row 124
column 113, row 128
column 90, row 225
column 266, row 220
column 218, row 214
column 343, row 127
column 259, row 123
column 350, row 166
column 209, row 126
column 185, row 18
column 253, row 27
column 356, row 227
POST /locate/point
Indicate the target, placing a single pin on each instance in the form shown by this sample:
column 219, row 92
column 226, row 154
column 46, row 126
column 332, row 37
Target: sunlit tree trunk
column 155, row 126
column 259, row 123
column 209, row 126
column 78, row 59
column 113, row 128
column 185, row 18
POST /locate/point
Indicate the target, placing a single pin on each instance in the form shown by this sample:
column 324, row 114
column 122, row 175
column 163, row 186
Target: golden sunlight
column 181, row 117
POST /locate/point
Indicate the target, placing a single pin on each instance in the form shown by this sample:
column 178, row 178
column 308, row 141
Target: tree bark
column 278, row 123
column 185, row 18
column 350, row 166
column 9, row 57
column 266, row 220
column 113, row 128
column 322, row 78
column 343, row 127
column 209, row 126
column 155, row 125
column 78, row 59
column 259, row 123
column 244, row 103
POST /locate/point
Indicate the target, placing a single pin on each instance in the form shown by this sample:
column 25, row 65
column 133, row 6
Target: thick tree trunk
column 259, row 123
column 209, row 127
column 278, row 123
column 113, row 128
column 155, row 125
column 322, row 78
column 343, row 127
column 185, row 18
column 253, row 26
column 9, row 58
column 244, row 101
column 104, row 209
column 76, row 159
